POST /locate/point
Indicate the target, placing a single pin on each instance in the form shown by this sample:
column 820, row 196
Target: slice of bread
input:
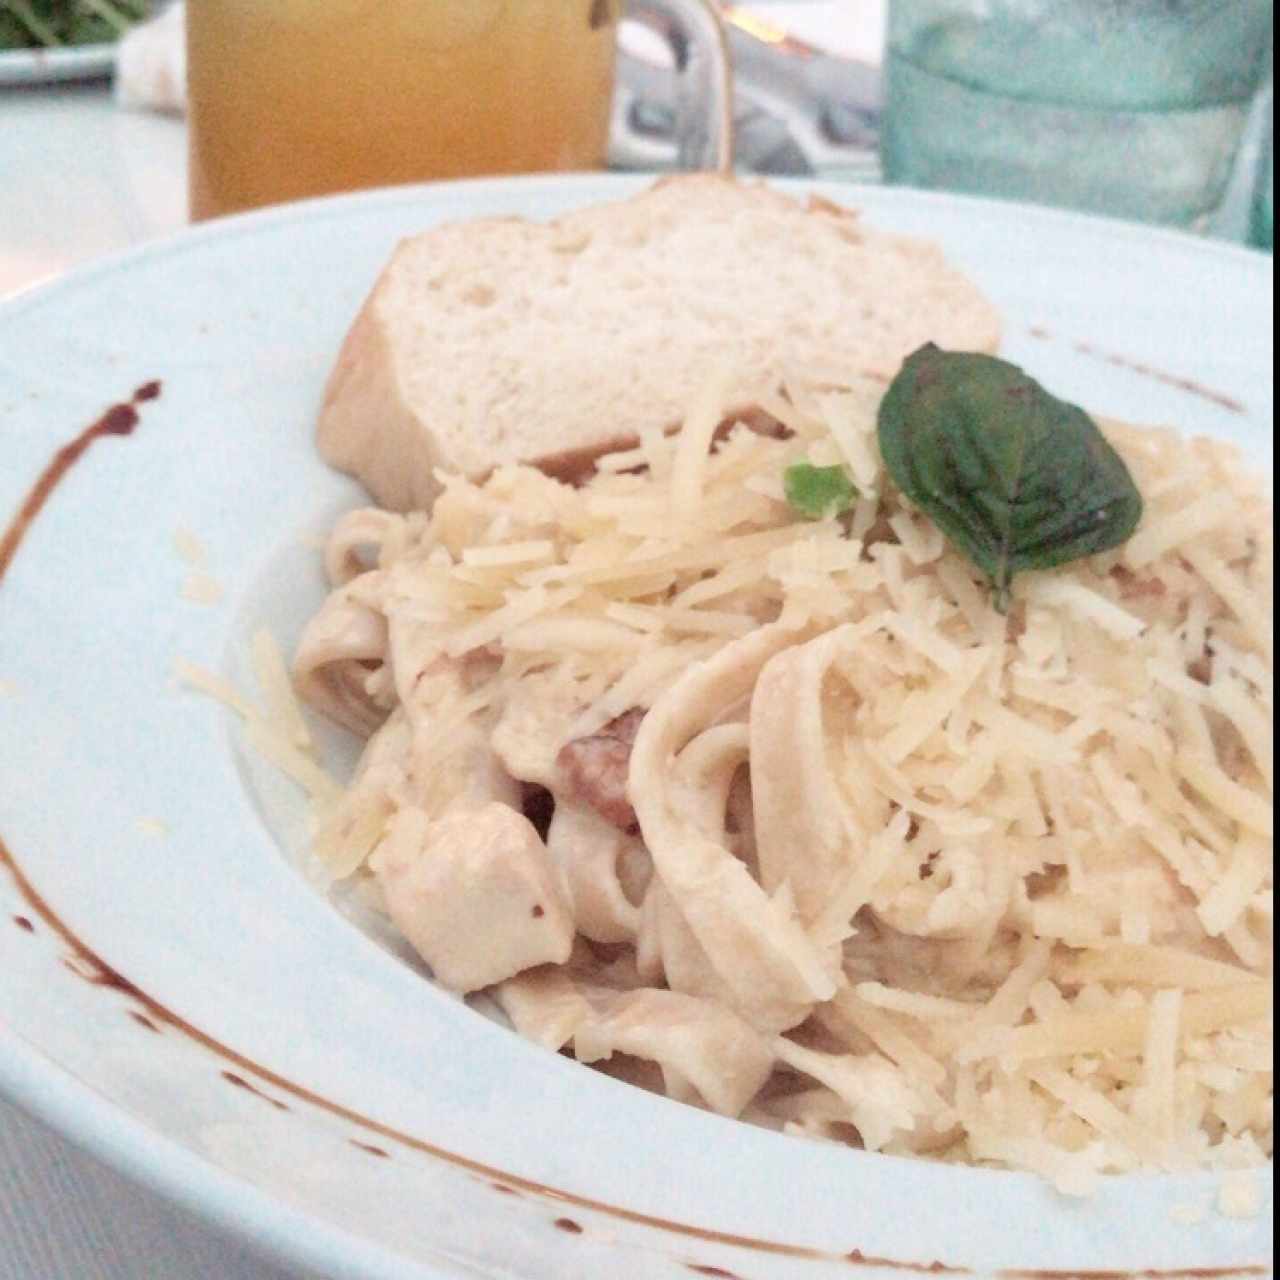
column 501, row 340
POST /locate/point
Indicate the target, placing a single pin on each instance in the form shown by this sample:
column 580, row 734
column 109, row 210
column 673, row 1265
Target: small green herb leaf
column 818, row 492
column 1015, row 478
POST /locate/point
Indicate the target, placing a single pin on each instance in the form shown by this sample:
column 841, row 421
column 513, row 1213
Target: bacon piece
column 759, row 420
column 1132, row 587
column 596, row 768
column 1201, row 669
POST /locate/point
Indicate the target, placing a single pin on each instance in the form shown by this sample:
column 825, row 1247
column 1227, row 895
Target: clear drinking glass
column 1262, row 220
column 294, row 98
column 1133, row 108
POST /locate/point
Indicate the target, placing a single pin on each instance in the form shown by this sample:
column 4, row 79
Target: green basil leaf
column 1016, row 478
column 818, row 492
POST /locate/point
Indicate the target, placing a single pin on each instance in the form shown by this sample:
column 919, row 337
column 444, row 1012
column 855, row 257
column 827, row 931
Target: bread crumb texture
column 501, row 340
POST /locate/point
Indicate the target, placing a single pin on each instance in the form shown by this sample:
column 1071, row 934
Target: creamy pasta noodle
column 783, row 818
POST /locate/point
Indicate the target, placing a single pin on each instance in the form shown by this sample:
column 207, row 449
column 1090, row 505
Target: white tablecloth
column 63, row 1216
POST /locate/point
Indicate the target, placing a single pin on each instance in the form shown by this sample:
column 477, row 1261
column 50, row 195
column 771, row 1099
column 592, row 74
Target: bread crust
column 503, row 340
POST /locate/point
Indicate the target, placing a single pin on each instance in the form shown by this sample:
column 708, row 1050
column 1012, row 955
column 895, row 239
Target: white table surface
column 80, row 178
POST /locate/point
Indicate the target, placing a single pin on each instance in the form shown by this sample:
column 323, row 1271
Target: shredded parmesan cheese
column 959, row 885
column 189, row 548
column 1239, row 1196
column 202, row 588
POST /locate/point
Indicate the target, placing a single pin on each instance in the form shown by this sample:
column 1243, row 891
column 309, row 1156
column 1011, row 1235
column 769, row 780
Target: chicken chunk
column 475, row 893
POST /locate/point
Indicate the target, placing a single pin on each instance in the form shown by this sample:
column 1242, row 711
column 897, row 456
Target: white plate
column 185, row 1006
column 44, row 66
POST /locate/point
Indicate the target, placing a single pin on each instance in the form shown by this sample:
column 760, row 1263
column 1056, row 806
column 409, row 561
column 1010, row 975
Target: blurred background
column 922, row 92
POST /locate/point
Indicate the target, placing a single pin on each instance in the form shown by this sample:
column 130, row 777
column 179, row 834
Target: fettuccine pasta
column 781, row 817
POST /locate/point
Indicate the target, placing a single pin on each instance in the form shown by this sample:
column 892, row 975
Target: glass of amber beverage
column 296, row 98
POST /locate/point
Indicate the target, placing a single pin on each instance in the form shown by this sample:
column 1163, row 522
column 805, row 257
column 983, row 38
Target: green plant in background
column 51, row 24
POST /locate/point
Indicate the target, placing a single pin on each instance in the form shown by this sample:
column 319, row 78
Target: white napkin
column 151, row 64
